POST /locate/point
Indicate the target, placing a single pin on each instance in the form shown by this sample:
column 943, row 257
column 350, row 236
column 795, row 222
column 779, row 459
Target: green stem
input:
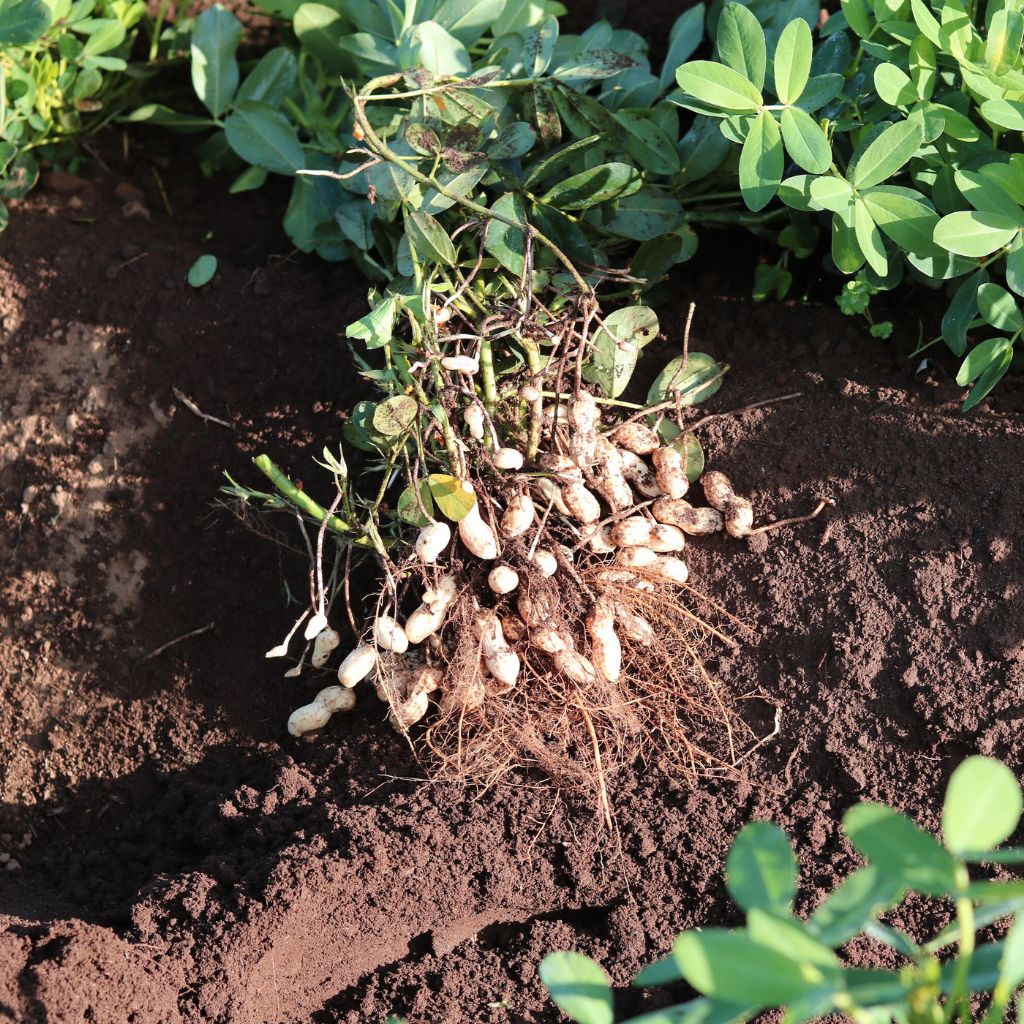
column 598, row 399
column 959, row 998
column 534, row 409
column 382, row 150
column 300, row 499
column 154, row 42
column 487, row 379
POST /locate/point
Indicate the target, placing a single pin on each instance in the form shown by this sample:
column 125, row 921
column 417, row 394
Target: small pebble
column 13, row 865
column 4, row 858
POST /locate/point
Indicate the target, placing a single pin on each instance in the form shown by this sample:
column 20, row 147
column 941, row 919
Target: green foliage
column 780, row 960
column 902, row 127
column 62, row 76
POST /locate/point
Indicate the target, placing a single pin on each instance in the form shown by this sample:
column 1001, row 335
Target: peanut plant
column 901, row 130
column 780, row 960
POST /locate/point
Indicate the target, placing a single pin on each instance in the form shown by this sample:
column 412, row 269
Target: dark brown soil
column 179, row 858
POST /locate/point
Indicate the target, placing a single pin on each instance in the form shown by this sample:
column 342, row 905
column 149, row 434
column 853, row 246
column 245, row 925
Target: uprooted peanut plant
column 528, row 523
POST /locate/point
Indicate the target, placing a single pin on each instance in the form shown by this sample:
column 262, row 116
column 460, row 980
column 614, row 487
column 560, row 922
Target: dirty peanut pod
column 546, row 562
column 389, row 635
column 474, row 420
column 697, row 522
column 317, row 713
column 503, row 579
column 357, row 665
column 431, row 541
column 582, row 505
column 670, row 472
column 461, row 364
column 508, row 458
column 476, row 534
column 635, row 437
column 324, row 643
column 666, row 539
column 738, row 512
column 631, row 533
column 639, row 474
column 519, row 516
column 605, row 648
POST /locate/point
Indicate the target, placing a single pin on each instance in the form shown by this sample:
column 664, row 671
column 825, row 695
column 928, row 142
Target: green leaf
column 158, row 114
column 438, row 50
column 741, row 43
column 857, row 17
column 805, row 141
column 395, row 416
column 693, row 382
column 999, row 309
column 645, row 215
column 846, row 911
column 718, row 86
column 1011, row 965
column 924, row 69
column 655, row 258
column 761, row 870
column 22, row 21
column 895, row 86
column 661, row 972
column 468, row 20
column 324, row 33
column 504, row 242
column 846, row 252
column 731, row 966
column 832, row 193
column 107, row 35
column 1004, row 114
column 271, row 79
column 983, row 800
column 565, row 233
column 515, row 140
column 973, row 233
column 1015, row 271
column 1005, row 32
column 961, row 311
column 593, row 186
column 683, row 39
column 215, row 38
column 201, row 272
column 263, row 136
column 450, row 496
column 869, row 239
column 908, row 221
column 430, row 239
column 987, row 194
column 377, row 327
column 249, row 180
column 1001, row 357
column 761, row 162
column 793, row 61
column 560, row 158
column 820, row 90
column 616, row 347
column 791, row 938
column 579, row 987
column 408, row 507
column 897, row 848
column 648, row 144
column 884, row 156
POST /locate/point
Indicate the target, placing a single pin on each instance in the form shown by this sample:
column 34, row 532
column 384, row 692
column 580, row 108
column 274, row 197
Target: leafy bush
column 904, row 124
column 781, row 960
column 62, row 76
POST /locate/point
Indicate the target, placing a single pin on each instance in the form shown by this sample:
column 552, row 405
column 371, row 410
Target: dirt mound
column 171, row 855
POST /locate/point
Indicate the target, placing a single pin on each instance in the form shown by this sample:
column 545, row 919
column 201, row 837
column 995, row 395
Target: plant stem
column 300, row 499
column 487, row 380
column 959, row 998
column 382, row 150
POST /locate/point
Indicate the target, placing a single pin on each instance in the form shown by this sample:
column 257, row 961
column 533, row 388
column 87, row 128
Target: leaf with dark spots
column 459, row 160
column 418, row 78
column 423, row 139
column 482, row 79
column 463, row 137
column 549, row 126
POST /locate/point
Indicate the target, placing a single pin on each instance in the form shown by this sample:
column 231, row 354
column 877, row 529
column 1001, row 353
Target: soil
column 171, row 855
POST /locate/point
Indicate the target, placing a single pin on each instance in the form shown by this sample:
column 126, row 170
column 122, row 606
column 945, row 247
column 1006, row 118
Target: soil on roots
column 178, row 858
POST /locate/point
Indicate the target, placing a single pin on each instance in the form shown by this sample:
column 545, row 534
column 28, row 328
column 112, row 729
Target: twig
column 744, row 408
column 193, row 408
column 794, row 520
column 177, row 640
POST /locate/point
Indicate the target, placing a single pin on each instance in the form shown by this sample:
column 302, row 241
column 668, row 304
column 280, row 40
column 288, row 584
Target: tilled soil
column 172, row 855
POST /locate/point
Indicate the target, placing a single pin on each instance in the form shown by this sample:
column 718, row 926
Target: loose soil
column 171, row 855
